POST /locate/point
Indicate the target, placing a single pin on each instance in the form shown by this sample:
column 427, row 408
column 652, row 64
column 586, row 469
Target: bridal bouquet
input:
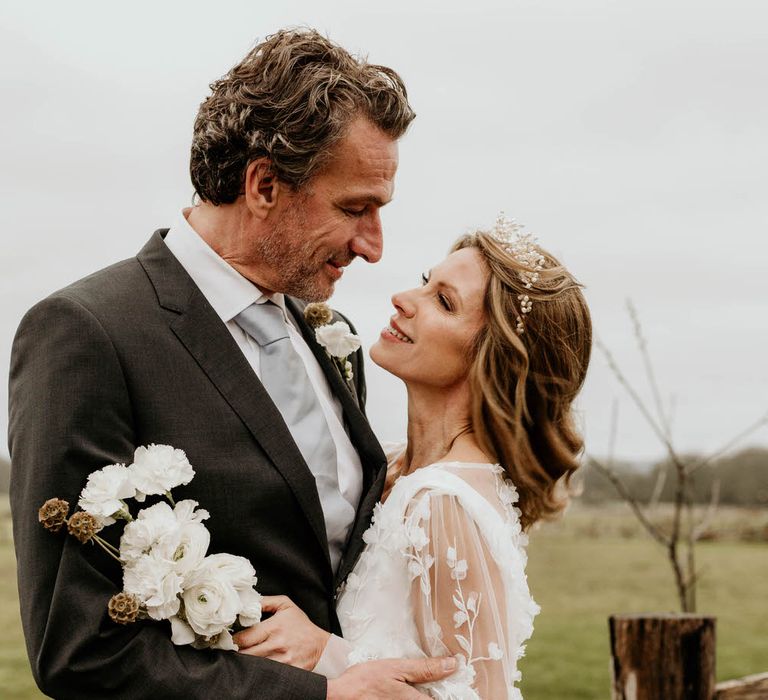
column 167, row 573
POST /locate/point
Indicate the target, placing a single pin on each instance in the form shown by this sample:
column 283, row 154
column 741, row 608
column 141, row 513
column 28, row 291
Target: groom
column 200, row 342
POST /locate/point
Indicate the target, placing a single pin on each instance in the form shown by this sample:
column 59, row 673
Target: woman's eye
column 444, row 301
column 424, row 279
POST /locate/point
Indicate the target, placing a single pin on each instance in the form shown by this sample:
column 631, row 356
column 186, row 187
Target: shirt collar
column 226, row 290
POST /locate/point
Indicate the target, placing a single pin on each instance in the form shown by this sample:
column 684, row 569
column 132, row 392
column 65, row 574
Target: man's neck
column 222, row 228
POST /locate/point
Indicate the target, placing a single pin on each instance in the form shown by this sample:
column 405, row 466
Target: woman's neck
column 438, row 421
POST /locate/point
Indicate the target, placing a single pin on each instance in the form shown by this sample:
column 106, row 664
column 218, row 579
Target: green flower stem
column 170, row 498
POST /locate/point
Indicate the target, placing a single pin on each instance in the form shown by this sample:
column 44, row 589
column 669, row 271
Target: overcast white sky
column 630, row 136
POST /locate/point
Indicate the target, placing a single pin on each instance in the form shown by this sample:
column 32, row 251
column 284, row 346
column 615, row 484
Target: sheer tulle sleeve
column 459, row 599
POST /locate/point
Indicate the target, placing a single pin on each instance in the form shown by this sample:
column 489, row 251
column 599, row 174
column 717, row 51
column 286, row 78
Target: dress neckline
column 395, row 455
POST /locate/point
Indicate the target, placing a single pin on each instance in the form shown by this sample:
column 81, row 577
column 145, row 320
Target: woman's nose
column 404, row 303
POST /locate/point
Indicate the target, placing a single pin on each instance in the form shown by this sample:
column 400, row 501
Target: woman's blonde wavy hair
column 523, row 385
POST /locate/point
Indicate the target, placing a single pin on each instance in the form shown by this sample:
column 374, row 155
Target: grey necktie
column 285, row 378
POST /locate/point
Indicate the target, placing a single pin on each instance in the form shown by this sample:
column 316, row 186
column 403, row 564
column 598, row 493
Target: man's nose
column 368, row 243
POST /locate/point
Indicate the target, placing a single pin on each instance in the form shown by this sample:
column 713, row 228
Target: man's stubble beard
column 286, row 250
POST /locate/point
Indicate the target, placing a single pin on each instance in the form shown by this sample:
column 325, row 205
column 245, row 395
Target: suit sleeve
column 70, row 413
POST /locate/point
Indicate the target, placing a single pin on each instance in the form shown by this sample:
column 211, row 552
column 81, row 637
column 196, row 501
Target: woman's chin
column 379, row 356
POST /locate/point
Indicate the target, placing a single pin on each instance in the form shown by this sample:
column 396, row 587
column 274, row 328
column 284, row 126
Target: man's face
column 318, row 230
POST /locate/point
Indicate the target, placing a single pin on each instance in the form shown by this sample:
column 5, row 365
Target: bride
column 493, row 348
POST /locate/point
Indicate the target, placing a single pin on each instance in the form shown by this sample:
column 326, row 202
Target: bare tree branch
column 685, row 531
column 658, row 488
column 613, row 433
column 619, row 485
column 709, row 516
column 642, row 345
column 655, row 426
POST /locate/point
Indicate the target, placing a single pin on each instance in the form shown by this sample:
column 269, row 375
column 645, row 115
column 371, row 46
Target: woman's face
column 433, row 326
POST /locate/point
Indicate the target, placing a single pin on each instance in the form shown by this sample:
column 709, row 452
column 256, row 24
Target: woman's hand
column 288, row 636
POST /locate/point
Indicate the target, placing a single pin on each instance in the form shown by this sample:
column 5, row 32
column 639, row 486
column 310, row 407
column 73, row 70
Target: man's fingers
column 426, row 670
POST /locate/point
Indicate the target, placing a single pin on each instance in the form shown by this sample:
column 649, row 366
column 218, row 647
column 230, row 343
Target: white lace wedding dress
column 442, row 573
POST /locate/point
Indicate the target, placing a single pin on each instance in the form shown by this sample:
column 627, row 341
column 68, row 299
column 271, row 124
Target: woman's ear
column 262, row 187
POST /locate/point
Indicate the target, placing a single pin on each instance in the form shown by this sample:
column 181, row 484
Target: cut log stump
column 662, row 657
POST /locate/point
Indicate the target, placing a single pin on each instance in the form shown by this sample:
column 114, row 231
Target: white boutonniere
column 337, row 338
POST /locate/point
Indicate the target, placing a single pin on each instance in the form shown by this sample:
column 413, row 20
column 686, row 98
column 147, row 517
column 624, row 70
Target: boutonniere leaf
column 337, row 338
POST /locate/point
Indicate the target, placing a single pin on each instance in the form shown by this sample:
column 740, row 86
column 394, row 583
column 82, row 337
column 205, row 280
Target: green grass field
column 578, row 581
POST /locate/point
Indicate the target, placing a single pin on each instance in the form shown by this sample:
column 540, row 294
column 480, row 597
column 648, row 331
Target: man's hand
column 288, row 636
column 389, row 679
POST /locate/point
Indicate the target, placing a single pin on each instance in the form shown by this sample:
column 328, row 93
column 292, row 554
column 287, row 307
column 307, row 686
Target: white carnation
column 159, row 468
column 337, row 339
column 104, row 492
column 142, row 534
column 154, row 582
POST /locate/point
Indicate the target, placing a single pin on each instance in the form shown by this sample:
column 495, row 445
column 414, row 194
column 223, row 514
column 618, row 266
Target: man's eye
column 354, row 212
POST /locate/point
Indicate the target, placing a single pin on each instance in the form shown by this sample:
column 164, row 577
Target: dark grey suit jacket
column 134, row 355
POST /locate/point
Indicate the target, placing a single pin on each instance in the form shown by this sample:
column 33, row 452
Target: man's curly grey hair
column 289, row 100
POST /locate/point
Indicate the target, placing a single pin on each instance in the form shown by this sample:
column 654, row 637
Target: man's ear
column 262, row 187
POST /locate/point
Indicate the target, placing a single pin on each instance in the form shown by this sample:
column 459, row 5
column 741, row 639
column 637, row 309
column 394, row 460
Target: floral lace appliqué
column 467, row 611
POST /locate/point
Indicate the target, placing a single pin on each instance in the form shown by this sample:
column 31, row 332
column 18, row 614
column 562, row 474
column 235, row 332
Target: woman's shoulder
column 466, row 452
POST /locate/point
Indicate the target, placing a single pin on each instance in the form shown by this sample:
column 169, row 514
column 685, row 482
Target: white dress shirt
column 229, row 293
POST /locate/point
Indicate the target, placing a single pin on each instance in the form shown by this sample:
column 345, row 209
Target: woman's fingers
column 251, row 636
column 265, row 650
column 273, row 603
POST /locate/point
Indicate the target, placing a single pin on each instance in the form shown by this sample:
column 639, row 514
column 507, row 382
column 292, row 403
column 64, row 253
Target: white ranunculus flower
column 191, row 547
column 185, row 512
column 241, row 574
column 238, row 570
column 337, row 339
column 250, row 610
column 104, row 492
column 154, row 582
column 211, row 601
column 174, row 535
column 159, row 468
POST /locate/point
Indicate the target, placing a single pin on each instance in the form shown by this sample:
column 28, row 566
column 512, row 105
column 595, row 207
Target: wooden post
column 662, row 657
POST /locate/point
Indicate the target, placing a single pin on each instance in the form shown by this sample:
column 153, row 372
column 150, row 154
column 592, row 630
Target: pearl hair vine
column 522, row 247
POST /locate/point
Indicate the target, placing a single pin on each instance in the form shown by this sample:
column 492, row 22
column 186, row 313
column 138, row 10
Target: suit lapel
column 207, row 339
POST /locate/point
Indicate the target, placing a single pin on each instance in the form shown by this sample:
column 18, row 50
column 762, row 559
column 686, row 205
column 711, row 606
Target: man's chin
column 318, row 290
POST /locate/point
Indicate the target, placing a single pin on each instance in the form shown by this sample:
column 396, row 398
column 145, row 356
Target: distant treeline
column 743, row 480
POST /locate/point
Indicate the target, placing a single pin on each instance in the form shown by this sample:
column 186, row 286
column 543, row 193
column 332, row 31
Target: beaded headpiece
column 522, row 247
